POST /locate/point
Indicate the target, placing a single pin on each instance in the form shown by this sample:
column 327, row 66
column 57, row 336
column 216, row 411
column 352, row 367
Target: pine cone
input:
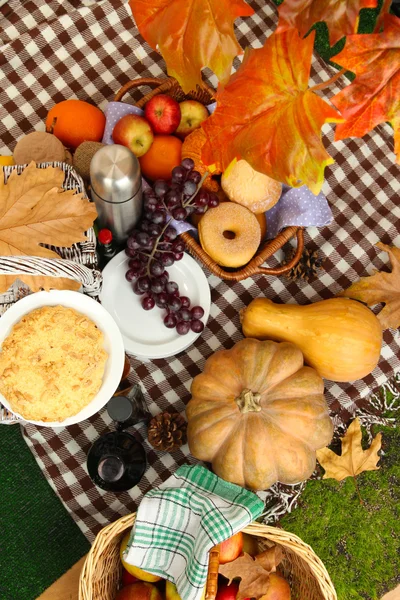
column 306, row 268
column 167, row 431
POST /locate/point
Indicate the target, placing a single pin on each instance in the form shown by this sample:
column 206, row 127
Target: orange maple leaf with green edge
column 374, row 96
column 341, row 17
column 192, row 34
column 267, row 115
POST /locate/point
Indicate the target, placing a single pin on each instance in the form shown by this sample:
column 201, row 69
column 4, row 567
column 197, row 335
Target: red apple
column 231, row 548
column 278, row 588
column 139, row 591
column 128, row 578
column 135, row 133
column 163, row 113
column 227, row 592
column 193, row 113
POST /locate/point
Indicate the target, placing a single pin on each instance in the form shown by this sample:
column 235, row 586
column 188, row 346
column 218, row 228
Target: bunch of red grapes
column 155, row 245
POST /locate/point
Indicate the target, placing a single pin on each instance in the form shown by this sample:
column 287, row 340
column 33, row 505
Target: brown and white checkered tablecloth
column 50, row 51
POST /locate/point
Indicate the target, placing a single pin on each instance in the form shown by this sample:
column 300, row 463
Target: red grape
column 174, row 303
column 170, row 321
column 188, row 164
column 148, row 303
column 156, row 286
column 197, row 312
column 183, row 327
column 213, row 200
column 189, row 188
column 194, row 176
column 184, row 314
column 178, row 174
column 172, row 287
column 130, row 275
column 185, row 302
column 178, row 255
column 161, row 299
column 178, row 246
column 161, row 187
column 167, row 259
column 156, row 268
column 143, row 284
column 179, row 214
column 170, row 234
column 197, row 326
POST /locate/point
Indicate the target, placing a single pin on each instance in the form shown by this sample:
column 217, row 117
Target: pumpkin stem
column 248, row 401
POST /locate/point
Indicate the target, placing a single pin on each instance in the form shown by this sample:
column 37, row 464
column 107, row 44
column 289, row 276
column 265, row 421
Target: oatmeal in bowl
column 59, row 362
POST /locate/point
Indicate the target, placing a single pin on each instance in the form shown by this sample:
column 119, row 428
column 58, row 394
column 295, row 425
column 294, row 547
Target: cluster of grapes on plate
column 155, row 245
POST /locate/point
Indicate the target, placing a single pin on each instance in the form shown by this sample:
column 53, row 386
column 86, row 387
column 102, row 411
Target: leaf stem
column 385, row 9
column 202, row 180
column 358, row 490
column 325, row 84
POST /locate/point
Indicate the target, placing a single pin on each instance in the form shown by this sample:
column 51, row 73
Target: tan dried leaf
column 39, row 282
column 353, row 460
column 35, row 210
column 253, row 573
column 381, row 287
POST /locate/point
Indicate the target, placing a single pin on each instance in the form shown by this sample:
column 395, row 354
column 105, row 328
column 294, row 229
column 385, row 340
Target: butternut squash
column 340, row 338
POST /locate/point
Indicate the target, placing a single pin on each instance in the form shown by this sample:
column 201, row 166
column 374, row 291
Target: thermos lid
column 115, row 173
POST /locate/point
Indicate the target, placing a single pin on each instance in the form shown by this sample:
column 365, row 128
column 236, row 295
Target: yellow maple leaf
column 381, row 287
column 35, row 210
column 353, row 460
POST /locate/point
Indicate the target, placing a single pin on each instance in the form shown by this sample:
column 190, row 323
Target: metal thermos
column 116, row 189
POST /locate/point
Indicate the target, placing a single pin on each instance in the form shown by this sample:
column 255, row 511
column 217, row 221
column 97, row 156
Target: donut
column 254, row 190
column 230, row 234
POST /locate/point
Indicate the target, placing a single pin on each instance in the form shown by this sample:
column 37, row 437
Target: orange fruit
column 164, row 154
column 76, row 121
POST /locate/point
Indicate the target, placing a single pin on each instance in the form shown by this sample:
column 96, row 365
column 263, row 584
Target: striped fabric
column 181, row 520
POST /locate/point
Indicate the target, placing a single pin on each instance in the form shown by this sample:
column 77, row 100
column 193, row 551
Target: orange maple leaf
column 374, row 96
column 341, row 17
column 267, row 115
column 192, row 34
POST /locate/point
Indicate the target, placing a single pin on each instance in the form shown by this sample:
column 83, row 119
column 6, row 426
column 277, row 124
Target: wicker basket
column 205, row 95
column 308, row 578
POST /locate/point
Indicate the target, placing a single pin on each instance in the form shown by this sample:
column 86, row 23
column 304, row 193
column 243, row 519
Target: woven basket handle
column 254, row 267
column 161, row 85
column 212, row 576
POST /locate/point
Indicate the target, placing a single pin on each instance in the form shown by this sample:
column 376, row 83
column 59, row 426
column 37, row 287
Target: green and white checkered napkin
column 180, row 521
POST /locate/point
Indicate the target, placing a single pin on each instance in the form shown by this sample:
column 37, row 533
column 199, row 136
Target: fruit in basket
column 231, row 548
column 155, row 246
column 163, row 113
column 227, row 591
column 76, row 121
column 171, row 593
column 193, row 114
column 134, row 132
column 230, row 234
column 135, row 571
column 164, row 155
column 340, row 338
column 278, row 588
column 258, row 577
column 263, row 420
column 128, row 578
column 139, row 591
column 246, row 186
column 250, row 545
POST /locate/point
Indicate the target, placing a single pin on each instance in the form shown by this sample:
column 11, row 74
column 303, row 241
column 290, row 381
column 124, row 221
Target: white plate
column 143, row 331
column 113, row 344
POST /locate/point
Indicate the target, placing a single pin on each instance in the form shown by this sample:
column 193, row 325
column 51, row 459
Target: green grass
column 38, row 539
column 358, row 543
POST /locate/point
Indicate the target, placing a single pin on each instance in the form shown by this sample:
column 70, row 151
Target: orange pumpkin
column 258, row 414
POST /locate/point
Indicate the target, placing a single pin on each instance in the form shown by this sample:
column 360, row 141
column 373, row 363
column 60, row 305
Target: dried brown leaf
column 353, row 460
column 35, row 210
column 381, row 287
column 253, row 573
column 38, row 282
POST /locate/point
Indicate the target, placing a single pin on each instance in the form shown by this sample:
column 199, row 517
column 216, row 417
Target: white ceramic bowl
column 113, row 343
